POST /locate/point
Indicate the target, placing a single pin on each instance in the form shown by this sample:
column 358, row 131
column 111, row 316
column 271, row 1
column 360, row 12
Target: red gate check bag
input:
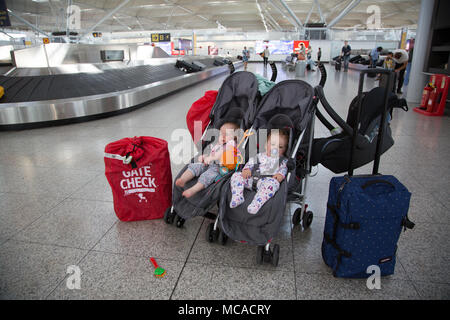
column 138, row 171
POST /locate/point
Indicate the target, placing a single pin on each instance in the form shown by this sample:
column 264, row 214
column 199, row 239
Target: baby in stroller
column 268, row 168
column 208, row 166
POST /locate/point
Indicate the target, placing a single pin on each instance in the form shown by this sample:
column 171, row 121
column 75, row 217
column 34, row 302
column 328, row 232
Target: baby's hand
column 201, row 158
column 246, row 173
column 207, row 160
column 278, row 177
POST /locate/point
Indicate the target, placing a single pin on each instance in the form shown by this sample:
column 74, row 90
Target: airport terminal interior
column 78, row 75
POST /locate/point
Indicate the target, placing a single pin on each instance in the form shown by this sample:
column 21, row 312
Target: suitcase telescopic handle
column 376, row 181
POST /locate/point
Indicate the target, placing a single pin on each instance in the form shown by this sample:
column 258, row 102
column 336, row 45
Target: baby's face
column 277, row 142
column 227, row 133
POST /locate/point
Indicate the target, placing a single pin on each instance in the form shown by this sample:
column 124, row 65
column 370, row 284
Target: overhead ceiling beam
column 309, row 13
column 121, row 23
column 270, row 24
column 296, row 19
column 272, row 20
column 333, row 9
column 121, row 14
column 262, row 16
column 344, row 12
column 283, row 14
column 27, row 23
column 7, row 34
column 322, row 18
column 106, row 17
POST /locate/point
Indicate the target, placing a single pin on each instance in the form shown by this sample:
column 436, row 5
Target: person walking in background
column 374, row 55
column 345, row 54
column 408, row 67
column 309, row 61
column 245, row 57
column 319, row 55
column 266, row 56
column 401, row 58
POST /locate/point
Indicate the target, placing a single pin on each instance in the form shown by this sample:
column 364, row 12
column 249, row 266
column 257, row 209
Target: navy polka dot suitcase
column 365, row 217
column 365, row 214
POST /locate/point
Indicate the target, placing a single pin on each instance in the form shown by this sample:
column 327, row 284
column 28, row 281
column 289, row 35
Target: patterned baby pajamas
column 208, row 173
column 266, row 186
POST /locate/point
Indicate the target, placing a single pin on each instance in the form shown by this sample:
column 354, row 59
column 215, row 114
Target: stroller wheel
column 223, row 238
column 260, row 255
column 210, row 233
column 275, row 255
column 168, row 216
column 307, row 219
column 179, row 221
column 297, row 216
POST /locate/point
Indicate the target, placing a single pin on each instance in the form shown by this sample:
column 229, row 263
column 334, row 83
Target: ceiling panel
column 50, row 15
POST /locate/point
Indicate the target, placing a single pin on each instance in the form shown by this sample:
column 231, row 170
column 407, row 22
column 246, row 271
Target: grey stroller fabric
column 294, row 99
column 237, row 96
column 239, row 90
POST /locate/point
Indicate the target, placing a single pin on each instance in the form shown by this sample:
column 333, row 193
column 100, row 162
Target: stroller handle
column 377, row 70
column 329, row 109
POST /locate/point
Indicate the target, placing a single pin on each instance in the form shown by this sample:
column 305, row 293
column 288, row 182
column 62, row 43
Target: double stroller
column 290, row 105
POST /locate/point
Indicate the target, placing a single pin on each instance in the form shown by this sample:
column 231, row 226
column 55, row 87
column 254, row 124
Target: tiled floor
column 56, row 211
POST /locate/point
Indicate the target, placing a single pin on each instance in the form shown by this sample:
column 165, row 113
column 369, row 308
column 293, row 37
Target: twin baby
column 272, row 166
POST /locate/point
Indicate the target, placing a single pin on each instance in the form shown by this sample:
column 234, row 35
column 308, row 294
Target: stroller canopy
column 292, row 98
column 238, row 92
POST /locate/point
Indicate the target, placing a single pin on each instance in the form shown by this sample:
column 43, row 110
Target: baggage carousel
column 36, row 97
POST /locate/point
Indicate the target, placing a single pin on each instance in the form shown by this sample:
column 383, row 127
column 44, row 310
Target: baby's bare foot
column 188, row 193
column 180, row 183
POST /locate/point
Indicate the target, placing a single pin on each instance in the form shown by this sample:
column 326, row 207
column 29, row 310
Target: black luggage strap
column 407, row 224
column 336, row 223
column 351, row 225
column 341, row 188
